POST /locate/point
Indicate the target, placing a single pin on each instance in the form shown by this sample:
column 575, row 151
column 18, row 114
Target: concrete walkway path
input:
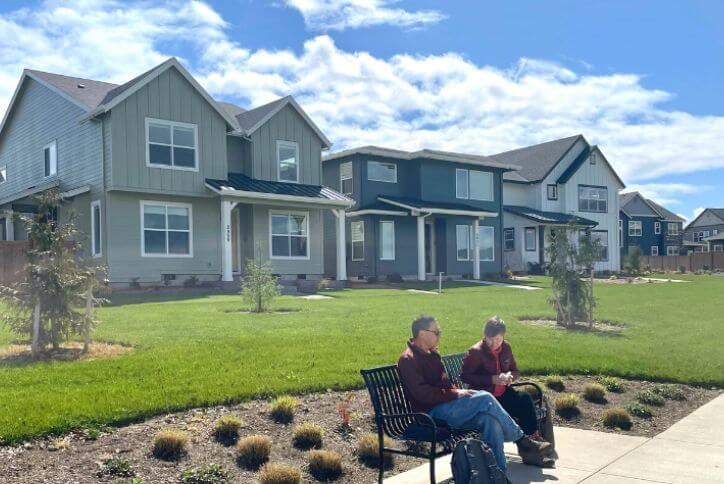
column 691, row 451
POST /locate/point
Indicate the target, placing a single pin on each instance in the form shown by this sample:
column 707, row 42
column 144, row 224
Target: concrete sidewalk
column 691, row 451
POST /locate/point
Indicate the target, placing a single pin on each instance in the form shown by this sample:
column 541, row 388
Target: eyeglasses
column 437, row 332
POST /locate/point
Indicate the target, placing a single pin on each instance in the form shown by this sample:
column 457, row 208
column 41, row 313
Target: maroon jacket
column 424, row 379
column 479, row 366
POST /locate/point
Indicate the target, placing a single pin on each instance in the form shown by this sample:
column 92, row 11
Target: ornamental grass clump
column 205, row 474
column 253, row 451
column 639, row 410
column 554, row 382
column 617, row 418
column 308, row 435
column 325, row 465
column 650, row 398
column 282, row 409
column 567, row 405
column 280, row 474
column 226, row 429
column 612, row 384
column 670, row 392
column 170, row 444
column 594, row 392
column 368, row 451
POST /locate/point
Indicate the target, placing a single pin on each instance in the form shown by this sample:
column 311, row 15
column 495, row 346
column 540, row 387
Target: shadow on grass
column 124, row 298
column 19, row 355
column 602, row 327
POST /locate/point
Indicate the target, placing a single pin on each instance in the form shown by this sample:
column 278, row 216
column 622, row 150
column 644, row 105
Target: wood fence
column 700, row 261
column 12, row 260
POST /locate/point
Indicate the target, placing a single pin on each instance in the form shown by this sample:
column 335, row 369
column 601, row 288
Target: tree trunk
column 35, row 347
column 54, row 334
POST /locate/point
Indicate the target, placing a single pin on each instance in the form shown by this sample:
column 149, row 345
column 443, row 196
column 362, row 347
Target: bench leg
column 381, row 463
column 432, row 466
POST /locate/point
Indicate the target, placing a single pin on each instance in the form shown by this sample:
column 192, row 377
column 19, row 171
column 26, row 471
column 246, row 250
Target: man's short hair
column 422, row 322
column 493, row 327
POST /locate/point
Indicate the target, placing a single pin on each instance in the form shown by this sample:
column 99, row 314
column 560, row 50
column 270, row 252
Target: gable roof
column 88, row 92
column 665, row 213
column 626, row 198
column 536, row 161
column 717, row 212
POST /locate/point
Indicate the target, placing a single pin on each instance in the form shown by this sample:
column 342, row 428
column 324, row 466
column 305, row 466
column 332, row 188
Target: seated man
column 489, row 365
column 429, row 390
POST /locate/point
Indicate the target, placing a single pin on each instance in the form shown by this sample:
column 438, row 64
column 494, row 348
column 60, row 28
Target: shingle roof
column 240, row 182
column 665, row 213
column 248, row 119
column 719, row 212
column 231, row 108
column 624, row 198
column 90, row 95
column 535, row 161
column 425, row 204
column 548, row 217
column 118, row 90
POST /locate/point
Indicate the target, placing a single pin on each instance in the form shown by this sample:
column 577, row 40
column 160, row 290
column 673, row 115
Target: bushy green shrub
column 639, row 410
column 650, row 398
column 117, row 467
column 554, row 382
column 566, row 405
column 170, row 444
column 594, row 392
column 259, row 286
column 253, row 451
column 280, row 474
column 308, row 435
column 670, row 392
column 368, row 451
column 617, row 418
column 612, row 384
column 282, row 409
column 226, row 429
column 205, row 474
column 325, row 465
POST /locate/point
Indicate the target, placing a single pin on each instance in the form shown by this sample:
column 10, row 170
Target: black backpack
column 474, row 463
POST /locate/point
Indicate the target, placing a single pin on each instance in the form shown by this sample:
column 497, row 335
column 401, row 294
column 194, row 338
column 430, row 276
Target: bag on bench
column 474, row 463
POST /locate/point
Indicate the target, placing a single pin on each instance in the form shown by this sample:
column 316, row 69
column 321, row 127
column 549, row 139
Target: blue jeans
column 481, row 412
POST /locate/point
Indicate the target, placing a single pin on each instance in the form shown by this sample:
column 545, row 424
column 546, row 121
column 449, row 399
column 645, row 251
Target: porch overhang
column 28, row 192
column 549, row 218
column 418, row 207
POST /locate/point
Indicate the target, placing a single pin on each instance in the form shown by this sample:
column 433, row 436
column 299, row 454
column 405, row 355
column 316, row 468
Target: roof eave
column 282, row 198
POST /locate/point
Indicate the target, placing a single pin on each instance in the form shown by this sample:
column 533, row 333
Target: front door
column 429, row 248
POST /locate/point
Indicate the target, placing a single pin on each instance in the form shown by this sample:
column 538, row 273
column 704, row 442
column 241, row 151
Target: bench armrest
column 417, row 417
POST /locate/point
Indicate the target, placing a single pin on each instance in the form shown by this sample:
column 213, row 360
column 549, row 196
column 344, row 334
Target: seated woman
column 490, row 365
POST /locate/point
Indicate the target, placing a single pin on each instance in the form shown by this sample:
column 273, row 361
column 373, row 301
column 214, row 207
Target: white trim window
column 592, row 158
column 600, row 236
column 717, row 248
column 171, row 145
column 530, row 239
column 672, row 250
column 3, row 174
column 287, row 161
column 474, row 185
column 462, row 242
column 592, row 199
column 96, row 229
column 654, row 250
column 167, row 229
column 380, row 171
column 357, row 237
column 346, row 185
column 486, row 243
column 387, row 240
column 672, row 228
column 634, row 228
column 50, row 159
column 620, row 233
column 509, row 239
column 657, row 228
column 552, row 191
column 461, row 183
column 288, row 235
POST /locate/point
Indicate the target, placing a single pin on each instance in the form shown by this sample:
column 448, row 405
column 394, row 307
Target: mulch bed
column 77, row 459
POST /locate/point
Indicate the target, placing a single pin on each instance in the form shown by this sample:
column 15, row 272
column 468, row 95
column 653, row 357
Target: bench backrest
column 453, row 364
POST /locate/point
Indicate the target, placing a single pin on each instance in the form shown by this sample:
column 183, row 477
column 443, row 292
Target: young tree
column 259, row 286
column 632, row 262
column 47, row 305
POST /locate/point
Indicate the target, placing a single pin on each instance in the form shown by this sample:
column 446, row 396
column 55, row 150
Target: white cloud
column 352, row 14
column 405, row 101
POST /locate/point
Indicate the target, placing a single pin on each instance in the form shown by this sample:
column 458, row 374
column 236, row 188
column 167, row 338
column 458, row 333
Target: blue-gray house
column 416, row 213
column 646, row 224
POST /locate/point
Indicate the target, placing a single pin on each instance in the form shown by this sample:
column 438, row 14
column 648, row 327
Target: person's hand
column 462, row 393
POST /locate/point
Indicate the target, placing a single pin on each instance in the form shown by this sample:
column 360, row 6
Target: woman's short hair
column 493, row 327
column 422, row 322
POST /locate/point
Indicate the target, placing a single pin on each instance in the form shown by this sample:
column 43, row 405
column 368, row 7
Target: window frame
column 634, row 223
column 190, row 230
column 171, row 125
column 490, row 177
column 588, row 233
column 674, row 252
column 4, row 228
column 588, row 209
column 342, row 178
column 656, row 247
column 382, row 257
column 377, row 162
column 554, row 186
column 353, row 241
column 52, row 160
column 287, row 144
column 717, row 247
column 525, row 239
column 467, row 184
column 4, row 173
column 477, row 246
column 675, row 226
column 288, row 213
column 620, row 233
column 657, row 228
column 467, row 241
column 592, row 158
column 96, row 247
column 511, row 231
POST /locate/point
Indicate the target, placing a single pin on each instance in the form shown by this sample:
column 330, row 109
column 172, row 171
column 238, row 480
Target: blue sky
column 643, row 79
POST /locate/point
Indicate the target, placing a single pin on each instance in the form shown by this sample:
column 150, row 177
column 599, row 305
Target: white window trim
column 394, row 165
column 506, row 231
column 288, row 144
column 672, row 250
column 657, row 228
column 343, row 178
column 309, row 238
column 172, row 124
column 717, row 248
column 554, row 186
column 391, row 222
column 4, row 169
column 457, row 248
column 467, row 184
column 190, row 231
column 525, row 239
column 96, row 251
column 620, row 233
column 53, row 160
column 352, row 241
column 655, row 248
column 670, row 226
column 631, row 225
column 492, row 229
column 492, row 185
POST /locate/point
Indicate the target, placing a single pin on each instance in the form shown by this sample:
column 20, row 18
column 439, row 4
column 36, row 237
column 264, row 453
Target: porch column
column 10, row 225
column 226, row 256
column 476, row 252
column 341, row 244
column 421, row 247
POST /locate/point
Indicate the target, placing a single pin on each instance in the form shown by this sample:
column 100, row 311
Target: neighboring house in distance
column 417, row 213
column 168, row 183
column 703, row 229
column 648, row 225
column 561, row 182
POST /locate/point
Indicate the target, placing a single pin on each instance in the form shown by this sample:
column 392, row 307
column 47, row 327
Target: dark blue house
column 648, row 225
column 416, row 214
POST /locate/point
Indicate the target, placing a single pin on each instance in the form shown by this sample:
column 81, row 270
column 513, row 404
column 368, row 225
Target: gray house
column 167, row 182
column 649, row 226
column 417, row 213
column 704, row 233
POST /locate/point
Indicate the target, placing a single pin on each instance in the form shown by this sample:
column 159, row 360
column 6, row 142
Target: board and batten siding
column 168, row 97
column 286, row 125
column 562, row 204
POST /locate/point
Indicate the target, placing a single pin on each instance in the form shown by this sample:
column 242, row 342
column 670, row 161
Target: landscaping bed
column 80, row 456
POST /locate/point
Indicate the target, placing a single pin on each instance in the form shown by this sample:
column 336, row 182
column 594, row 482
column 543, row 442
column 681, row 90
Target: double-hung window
column 382, row 172
column 357, row 229
column 552, row 192
column 289, row 234
column 530, row 239
column 167, row 229
column 3, row 174
column 170, row 144
column 672, row 228
column 486, row 243
column 600, row 237
column 654, row 250
column 462, row 238
column 50, row 159
column 634, row 228
column 718, row 248
column 345, row 178
column 672, row 250
column 287, row 161
column 509, row 239
column 657, row 228
column 592, row 199
column 473, row 185
column 387, row 240
column 96, row 238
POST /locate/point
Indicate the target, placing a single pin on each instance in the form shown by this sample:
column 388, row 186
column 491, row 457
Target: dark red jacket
column 424, row 379
column 479, row 366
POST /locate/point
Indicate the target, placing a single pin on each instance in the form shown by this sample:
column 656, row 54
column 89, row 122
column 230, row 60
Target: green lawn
column 193, row 352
